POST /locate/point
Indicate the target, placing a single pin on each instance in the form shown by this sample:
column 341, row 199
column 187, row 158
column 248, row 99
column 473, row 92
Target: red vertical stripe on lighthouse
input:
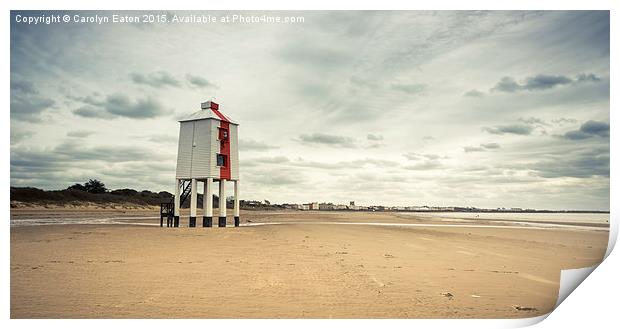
column 225, row 150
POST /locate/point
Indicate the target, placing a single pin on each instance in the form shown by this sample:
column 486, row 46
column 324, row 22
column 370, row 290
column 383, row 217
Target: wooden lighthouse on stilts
column 208, row 153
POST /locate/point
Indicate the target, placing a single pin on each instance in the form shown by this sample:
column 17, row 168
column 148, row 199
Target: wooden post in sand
column 193, row 203
column 236, row 206
column 207, row 203
column 177, row 202
column 222, row 206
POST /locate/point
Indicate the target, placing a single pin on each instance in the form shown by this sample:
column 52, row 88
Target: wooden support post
column 222, row 218
column 236, row 205
column 207, row 203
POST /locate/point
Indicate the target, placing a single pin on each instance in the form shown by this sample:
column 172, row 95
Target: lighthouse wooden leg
column 193, row 203
column 222, row 219
column 177, row 202
column 236, row 207
column 207, row 203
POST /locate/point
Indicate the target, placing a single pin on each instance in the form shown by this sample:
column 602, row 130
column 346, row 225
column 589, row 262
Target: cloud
column 517, row 129
column 327, row 139
column 92, row 112
column 162, row 139
column 60, row 165
column 120, row 105
column 469, row 149
column 80, row 133
column 425, row 165
column 26, row 103
column 158, row 79
column 276, row 177
column 563, row 121
column 597, row 128
column 490, row 145
column 18, row 135
column 589, row 129
column 411, row 89
column 373, row 137
column 587, row 78
column 419, row 156
column 252, row 145
column 541, row 82
column 507, row 84
column 423, row 161
column 533, row 121
column 21, row 86
column 582, row 164
column 199, row 82
column 481, row 148
column 474, row 93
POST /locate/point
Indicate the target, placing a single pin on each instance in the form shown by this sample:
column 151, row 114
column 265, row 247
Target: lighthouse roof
column 209, row 110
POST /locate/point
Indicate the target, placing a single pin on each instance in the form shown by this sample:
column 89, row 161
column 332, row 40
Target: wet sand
column 291, row 270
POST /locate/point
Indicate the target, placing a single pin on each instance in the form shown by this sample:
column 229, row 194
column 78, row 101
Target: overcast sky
column 487, row 109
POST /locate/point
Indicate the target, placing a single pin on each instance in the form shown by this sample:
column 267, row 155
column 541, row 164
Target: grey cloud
column 374, row 146
column 474, row 93
column 22, row 86
column 253, row 162
column 120, row 105
column 517, row 129
column 300, row 162
column 156, row 79
column 541, row 82
column 327, row 139
column 589, row 129
column 562, row 121
column 507, row 84
column 490, row 145
column 580, row 165
column 576, row 135
column 162, row 139
column 425, row 165
column 595, row 128
column 199, row 82
column 275, row 177
column 533, row 121
column 252, row 145
column 411, row 89
column 18, row 135
column 92, row 112
column 373, row 137
column 419, row 156
column 77, row 151
column 481, row 148
column 26, row 102
column 423, row 161
column 318, row 56
column 364, row 83
column 80, row 133
column 469, row 149
column 57, row 164
column 587, row 78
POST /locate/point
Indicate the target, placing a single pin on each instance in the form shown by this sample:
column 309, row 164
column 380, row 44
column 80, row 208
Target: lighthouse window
column 221, row 160
column 223, row 134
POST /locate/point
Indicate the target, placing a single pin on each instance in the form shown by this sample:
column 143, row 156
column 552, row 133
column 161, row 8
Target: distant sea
column 568, row 218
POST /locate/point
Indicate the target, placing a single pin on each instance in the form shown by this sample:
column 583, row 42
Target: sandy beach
column 303, row 267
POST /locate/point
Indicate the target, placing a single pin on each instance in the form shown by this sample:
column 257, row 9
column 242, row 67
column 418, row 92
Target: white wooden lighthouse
column 208, row 153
